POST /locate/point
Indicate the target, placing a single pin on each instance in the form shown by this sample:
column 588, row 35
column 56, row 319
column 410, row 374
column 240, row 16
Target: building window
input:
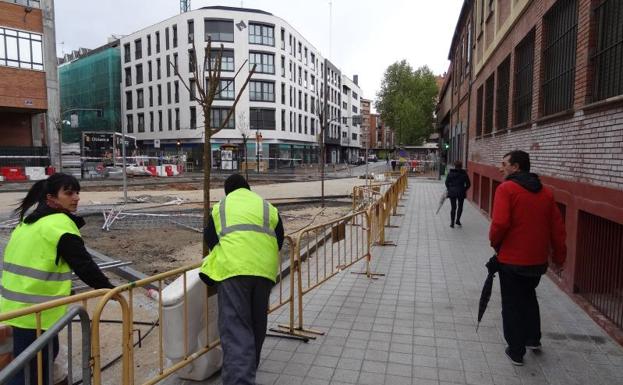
column 283, row 93
column 191, row 31
column 608, row 59
column 176, row 93
column 283, row 39
column 313, row 126
column 265, row 62
column 489, row 94
column 312, row 105
column 139, row 73
column 283, row 66
column 305, row 130
column 138, row 49
column 151, row 121
column 177, row 119
column 158, row 69
column 522, row 95
column 128, row 100
column 166, row 39
column 560, row 33
column 148, row 45
column 313, row 62
column 159, row 94
column 354, row 136
column 283, row 120
column 149, row 72
column 130, row 123
column 175, row 67
column 128, row 76
column 168, row 93
column 300, row 100
column 175, row 36
column 305, row 104
column 219, row 30
column 218, row 116
column 151, row 96
column 261, row 91
column 159, row 120
column 141, row 122
column 479, row 111
column 300, row 124
column 225, row 90
column 501, row 103
column 167, row 64
column 126, row 52
column 140, row 99
column 20, row 49
column 193, row 118
column 192, row 86
column 157, row 42
column 262, row 118
column 169, row 120
column 261, row 34
column 227, row 60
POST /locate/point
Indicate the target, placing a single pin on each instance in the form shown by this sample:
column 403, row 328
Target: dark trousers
column 242, row 319
column 455, row 212
column 520, row 311
column 22, row 338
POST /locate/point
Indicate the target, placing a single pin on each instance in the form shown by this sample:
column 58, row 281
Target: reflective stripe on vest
column 265, row 228
column 28, row 298
column 34, row 273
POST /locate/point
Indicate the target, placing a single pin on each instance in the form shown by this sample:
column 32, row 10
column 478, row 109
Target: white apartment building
column 280, row 104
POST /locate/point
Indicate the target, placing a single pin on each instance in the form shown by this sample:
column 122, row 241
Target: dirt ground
column 157, row 250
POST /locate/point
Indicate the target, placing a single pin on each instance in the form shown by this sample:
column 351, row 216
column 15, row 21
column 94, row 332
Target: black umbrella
column 493, row 267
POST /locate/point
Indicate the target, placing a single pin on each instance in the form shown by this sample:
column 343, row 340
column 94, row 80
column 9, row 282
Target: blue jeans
column 22, row 338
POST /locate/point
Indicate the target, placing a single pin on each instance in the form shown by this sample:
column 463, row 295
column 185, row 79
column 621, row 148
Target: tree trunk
column 207, row 170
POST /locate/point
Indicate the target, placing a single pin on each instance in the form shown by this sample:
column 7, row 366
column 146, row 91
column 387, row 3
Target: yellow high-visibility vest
column 30, row 275
column 245, row 224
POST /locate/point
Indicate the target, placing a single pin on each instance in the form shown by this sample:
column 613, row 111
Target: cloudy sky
column 360, row 36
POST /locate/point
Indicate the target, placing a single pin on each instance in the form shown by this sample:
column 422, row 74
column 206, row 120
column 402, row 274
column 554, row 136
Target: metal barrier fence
column 318, row 254
column 23, row 361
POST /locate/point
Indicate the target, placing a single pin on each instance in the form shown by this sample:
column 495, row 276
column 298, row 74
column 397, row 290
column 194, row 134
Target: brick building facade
column 547, row 78
column 28, row 85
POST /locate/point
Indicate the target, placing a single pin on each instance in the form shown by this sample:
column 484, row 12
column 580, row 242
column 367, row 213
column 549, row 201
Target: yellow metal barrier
column 82, row 298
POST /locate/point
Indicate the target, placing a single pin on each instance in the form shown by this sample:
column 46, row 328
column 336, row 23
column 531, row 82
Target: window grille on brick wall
column 524, row 66
column 479, row 111
column 489, row 89
column 501, row 103
column 599, row 269
column 560, row 35
column 608, row 58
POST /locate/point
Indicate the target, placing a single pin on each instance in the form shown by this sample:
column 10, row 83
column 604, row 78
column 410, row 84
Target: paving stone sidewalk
column 417, row 324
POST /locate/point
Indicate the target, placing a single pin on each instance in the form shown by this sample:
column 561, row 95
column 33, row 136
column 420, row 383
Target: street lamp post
column 258, row 143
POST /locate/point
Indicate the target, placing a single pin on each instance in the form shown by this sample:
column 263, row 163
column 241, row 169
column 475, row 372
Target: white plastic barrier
column 161, row 171
column 174, row 169
column 173, row 319
column 35, row 173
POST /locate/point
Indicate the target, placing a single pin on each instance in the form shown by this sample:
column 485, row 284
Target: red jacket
column 526, row 225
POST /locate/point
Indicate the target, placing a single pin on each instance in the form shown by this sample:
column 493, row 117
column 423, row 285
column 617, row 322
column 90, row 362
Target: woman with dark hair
column 43, row 250
column 457, row 183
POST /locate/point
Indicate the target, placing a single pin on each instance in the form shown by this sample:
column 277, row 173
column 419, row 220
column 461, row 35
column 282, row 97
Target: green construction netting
column 91, row 82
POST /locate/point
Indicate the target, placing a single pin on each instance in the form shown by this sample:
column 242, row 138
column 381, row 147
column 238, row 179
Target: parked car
column 372, row 158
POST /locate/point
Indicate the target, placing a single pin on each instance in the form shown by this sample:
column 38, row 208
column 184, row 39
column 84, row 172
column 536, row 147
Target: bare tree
column 321, row 112
column 204, row 93
column 245, row 133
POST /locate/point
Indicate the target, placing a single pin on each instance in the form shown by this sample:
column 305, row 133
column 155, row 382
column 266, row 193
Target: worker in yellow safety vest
column 244, row 234
column 39, row 258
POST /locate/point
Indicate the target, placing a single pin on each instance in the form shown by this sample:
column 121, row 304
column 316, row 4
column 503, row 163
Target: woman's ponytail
column 36, row 194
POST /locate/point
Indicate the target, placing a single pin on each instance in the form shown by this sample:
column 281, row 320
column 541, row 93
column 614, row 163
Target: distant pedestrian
column 393, row 164
column 44, row 249
column 245, row 234
column 526, row 228
column 457, row 183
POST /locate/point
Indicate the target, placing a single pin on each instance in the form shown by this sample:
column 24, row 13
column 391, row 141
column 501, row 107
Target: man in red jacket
column 526, row 228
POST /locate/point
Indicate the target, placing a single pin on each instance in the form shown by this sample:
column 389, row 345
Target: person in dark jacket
column 457, row 184
column 38, row 259
column 526, row 228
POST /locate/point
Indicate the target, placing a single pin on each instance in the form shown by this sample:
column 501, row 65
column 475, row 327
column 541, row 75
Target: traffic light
column 446, row 145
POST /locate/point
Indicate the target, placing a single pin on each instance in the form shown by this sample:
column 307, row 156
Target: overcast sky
column 366, row 35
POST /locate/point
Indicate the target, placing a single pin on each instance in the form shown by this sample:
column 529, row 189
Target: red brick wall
column 14, row 16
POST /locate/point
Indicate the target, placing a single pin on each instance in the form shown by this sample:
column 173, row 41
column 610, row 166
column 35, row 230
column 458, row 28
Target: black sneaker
column 517, row 361
column 452, row 225
column 458, row 223
column 533, row 346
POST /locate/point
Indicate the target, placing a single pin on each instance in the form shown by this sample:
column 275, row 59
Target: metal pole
column 125, row 176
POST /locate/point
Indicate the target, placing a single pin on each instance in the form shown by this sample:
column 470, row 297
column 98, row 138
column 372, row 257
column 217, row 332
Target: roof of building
column 251, row 10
